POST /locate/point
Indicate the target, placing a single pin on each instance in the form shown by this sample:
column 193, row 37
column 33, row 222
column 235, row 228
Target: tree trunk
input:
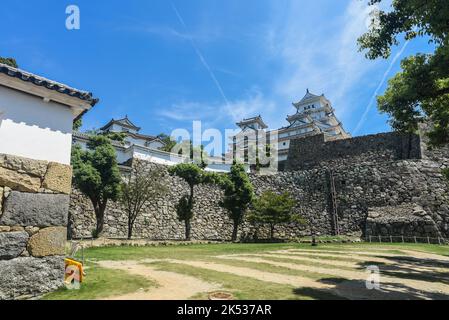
column 100, row 225
column 99, row 214
column 235, row 230
column 130, row 230
column 272, row 231
column 188, row 228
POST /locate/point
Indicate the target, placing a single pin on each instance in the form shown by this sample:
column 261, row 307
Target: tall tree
column 273, row 209
column 238, row 195
column 420, row 92
column 143, row 185
column 193, row 175
column 9, row 61
column 96, row 174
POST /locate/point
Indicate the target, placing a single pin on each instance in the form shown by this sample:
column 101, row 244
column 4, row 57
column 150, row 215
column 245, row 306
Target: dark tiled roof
column 48, row 84
column 125, row 122
column 251, row 120
column 141, row 136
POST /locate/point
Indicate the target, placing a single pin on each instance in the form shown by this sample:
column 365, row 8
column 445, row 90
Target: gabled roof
column 248, row 121
column 125, row 122
column 46, row 83
column 308, row 97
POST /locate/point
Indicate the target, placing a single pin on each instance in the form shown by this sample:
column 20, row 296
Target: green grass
column 102, row 283
column 204, row 251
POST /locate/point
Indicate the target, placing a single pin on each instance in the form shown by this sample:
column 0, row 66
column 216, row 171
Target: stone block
column 19, row 181
column 48, row 242
column 32, row 230
column 32, row 167
column 30, row 277
column 32, row 209
column 5, row 228
column 1, row 199
column 58, row 178
column 12, row 244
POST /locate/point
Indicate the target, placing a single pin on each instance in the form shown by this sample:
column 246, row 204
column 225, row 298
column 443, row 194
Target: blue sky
column 166, row 63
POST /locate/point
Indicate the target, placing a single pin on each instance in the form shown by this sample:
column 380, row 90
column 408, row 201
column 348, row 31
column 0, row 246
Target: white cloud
column 215, row 114
column 319, row 55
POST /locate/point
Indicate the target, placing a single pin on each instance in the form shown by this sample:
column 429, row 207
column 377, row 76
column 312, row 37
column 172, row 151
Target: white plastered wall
column 32, row 128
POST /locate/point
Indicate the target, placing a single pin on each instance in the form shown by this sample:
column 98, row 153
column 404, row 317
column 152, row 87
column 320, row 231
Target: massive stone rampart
column 358, row 188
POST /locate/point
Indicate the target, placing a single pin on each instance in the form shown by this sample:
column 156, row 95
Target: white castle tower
column 314, row 115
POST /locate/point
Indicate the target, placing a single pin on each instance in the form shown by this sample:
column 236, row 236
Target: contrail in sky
column 200, row 55
column 373, row 98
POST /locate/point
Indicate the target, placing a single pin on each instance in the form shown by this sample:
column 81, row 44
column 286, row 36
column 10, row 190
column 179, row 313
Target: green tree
column 193, row 175
column 420, row 92
column 96, row 174
column 238, row 195
column 143, row 185
column 9, row 61
column 273, row 209
column 169, row 144
column 77, row 124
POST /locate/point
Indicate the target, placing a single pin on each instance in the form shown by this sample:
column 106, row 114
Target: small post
column 391, row 238
column 428, row 239
column 414, row 237
column 402, row 238
column 369, row 239
column 380, row 239
column 314, row 244
column 439, row 241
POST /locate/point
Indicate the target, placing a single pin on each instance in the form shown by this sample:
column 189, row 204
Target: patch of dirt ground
column 171, row 285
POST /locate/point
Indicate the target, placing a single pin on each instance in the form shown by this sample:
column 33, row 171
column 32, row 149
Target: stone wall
column 359, row 189
column 439, row 155
column 407, row 220
column 310, row 152
column 34, row 201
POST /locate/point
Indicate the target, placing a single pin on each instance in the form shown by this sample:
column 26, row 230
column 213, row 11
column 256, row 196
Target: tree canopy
column 193, row 175
column 169, row 144
column 96, row 174
column 272, row 208
column 238, row 195
column 143, row 185
column 9, row 61
column 420, row 92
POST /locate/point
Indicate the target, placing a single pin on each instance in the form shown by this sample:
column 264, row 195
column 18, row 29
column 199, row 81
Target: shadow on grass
column 343, row 289
column 318, row 294
column 397, row 268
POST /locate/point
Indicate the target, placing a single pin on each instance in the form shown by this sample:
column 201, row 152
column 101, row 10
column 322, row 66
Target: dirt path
column 171, row 285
